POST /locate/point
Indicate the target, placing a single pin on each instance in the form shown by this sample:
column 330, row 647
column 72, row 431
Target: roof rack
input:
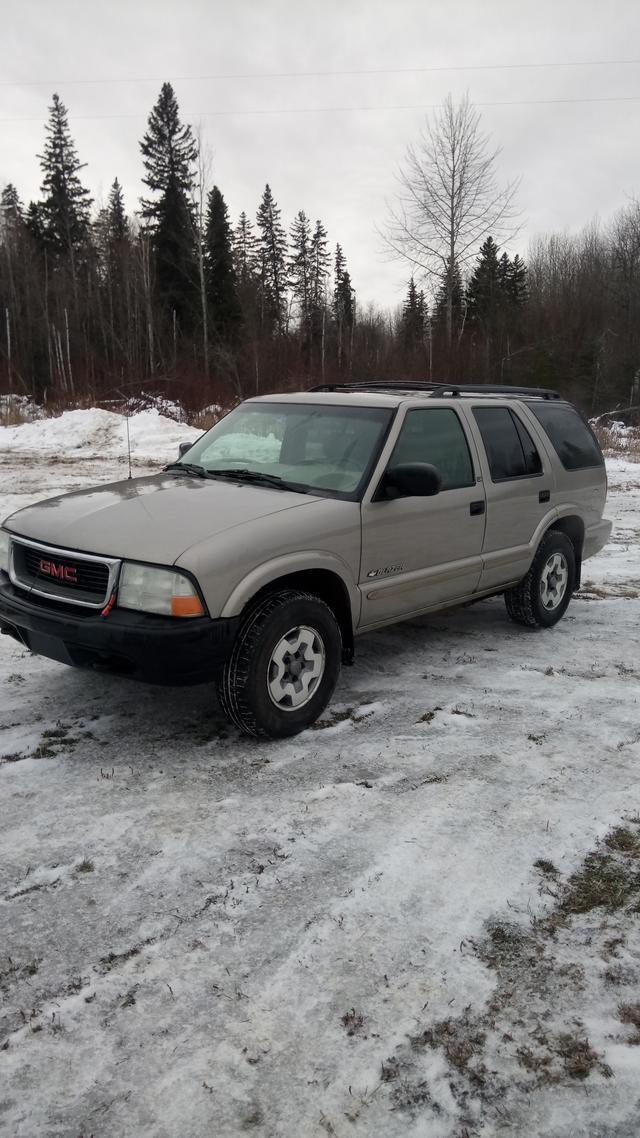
column 437, row 389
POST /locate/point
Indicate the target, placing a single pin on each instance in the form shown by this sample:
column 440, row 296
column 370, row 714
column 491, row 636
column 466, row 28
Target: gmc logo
column 61, row 572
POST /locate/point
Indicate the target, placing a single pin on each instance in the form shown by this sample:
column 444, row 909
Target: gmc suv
column 300, row 521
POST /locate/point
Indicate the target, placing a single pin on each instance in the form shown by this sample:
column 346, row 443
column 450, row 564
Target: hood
column 149, row 519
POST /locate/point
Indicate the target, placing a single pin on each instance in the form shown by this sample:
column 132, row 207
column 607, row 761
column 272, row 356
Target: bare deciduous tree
column 449, row 199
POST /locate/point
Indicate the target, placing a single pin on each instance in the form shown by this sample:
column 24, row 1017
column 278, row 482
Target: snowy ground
column 407, row 922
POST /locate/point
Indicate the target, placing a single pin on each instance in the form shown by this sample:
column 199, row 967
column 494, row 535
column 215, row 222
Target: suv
column 301, row 520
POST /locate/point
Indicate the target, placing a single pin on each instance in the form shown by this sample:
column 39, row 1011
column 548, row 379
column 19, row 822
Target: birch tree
column 449, row 199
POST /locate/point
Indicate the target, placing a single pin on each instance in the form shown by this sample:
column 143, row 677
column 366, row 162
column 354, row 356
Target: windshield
column 318, row 449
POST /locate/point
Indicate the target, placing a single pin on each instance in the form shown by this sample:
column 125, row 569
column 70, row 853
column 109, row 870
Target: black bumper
column 157, row 649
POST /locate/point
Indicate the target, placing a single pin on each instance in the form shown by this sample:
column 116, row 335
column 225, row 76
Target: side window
column 510, row 449
column 436, row 435
column 574, row 442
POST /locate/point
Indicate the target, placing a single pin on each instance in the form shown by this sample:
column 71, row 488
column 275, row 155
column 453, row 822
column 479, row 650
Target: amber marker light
column 186, row 606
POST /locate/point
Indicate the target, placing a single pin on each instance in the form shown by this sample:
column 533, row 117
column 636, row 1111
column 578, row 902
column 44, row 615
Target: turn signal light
column 186, row 606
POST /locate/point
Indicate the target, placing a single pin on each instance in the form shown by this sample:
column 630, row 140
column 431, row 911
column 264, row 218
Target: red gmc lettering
column 61, row 572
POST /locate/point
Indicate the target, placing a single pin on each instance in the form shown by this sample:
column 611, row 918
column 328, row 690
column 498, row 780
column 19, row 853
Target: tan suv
column 301, row 520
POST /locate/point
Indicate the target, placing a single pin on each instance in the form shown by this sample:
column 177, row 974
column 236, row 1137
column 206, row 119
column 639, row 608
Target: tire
column 543, row 596
column 284, row 665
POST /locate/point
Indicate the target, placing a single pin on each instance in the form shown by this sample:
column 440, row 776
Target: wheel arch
column 572, row 526
column 323, row 580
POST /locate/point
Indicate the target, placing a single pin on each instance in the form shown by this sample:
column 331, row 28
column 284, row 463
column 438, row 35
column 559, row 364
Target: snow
column 206, row 935
column 99, row 434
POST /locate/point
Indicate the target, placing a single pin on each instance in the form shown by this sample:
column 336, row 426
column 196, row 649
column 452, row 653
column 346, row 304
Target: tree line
column 97, row 304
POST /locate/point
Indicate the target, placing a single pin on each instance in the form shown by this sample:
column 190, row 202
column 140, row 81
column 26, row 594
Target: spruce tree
column 413, row 320
column 11, row 212
column 169, row 152
column 66, row 204
column 343, row 304
column 116, row 217
column 450, row 301
column 319, row 262
column 517, row 287
column 271, row 251
column 485, row 292
column 220, row 273
column 299, row 266
column 244, row 250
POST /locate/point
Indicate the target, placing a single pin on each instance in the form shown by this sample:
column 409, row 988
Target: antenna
column 126, row 412
column 128, row 445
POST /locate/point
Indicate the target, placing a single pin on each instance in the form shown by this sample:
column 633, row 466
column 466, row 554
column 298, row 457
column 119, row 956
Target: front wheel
column 543, row 596
column 284, row 665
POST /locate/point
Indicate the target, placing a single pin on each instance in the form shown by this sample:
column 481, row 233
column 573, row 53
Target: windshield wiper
column 243, row 475
column 188, row 468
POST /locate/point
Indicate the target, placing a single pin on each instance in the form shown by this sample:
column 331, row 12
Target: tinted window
column 510, row 449
column 436, row 436
column 572, row 438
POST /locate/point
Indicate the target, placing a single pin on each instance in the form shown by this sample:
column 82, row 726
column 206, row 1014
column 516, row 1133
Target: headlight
column 4, row 550
column 163, row 591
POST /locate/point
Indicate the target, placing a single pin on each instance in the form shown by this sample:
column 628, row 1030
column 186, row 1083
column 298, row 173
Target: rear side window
column 510, row 449
column 574, row 441
column 436, row 435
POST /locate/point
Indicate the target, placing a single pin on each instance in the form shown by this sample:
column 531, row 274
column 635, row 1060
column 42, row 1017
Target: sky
column 257, row 79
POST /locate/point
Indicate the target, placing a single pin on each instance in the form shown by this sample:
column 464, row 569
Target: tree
column 169, row 152
column 319, row 275
column 343, row 301
column 300, row 268
column 449, row 199
column 450, row 305
column 271, row 252
column 11, row 213
column 65, row 207
column 487, row 286
column 219, row 268
column 413, row 322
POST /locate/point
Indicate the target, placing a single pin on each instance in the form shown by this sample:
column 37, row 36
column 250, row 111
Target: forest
column 179, row 299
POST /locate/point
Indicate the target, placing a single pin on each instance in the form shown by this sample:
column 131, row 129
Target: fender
column 303, row 561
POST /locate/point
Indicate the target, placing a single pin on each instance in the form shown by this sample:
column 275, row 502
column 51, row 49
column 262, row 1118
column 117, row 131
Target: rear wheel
column 284, row 665
column 543, row 596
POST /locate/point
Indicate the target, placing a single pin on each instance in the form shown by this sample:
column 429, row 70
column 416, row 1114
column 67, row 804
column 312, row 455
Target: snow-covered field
column 389, row 926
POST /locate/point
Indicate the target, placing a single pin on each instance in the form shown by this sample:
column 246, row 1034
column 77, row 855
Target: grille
column 67, row 578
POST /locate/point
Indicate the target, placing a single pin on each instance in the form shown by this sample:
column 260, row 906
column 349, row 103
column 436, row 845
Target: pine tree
column 66, row 204
column 220, row 271
column 169, row 152
column 271, row 250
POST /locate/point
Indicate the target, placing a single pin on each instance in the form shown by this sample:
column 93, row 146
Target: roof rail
column 436, row 389
column 494, row 389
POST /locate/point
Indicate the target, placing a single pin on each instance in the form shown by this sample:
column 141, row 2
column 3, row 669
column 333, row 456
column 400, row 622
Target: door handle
column 476, row 507
column 544, row 496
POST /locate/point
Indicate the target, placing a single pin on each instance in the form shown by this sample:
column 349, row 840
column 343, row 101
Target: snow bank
column 98, row 433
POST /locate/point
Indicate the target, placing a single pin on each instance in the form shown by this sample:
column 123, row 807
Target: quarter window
column 436, row 435
column 573, row 440
column 510, row 449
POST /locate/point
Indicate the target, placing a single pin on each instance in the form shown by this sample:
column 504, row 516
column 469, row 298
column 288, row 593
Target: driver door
column 422, row 552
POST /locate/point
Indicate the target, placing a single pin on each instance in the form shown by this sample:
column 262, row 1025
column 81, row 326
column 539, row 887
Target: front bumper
column 157, row 649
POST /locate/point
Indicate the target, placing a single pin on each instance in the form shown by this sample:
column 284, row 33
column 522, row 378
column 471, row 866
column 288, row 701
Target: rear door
column 421, row 552
column 520, row 484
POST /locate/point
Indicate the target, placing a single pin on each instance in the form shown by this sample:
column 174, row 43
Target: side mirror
column 410, row 480
column 183, row 448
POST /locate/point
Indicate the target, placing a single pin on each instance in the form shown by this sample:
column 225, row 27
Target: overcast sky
column 576, row 159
